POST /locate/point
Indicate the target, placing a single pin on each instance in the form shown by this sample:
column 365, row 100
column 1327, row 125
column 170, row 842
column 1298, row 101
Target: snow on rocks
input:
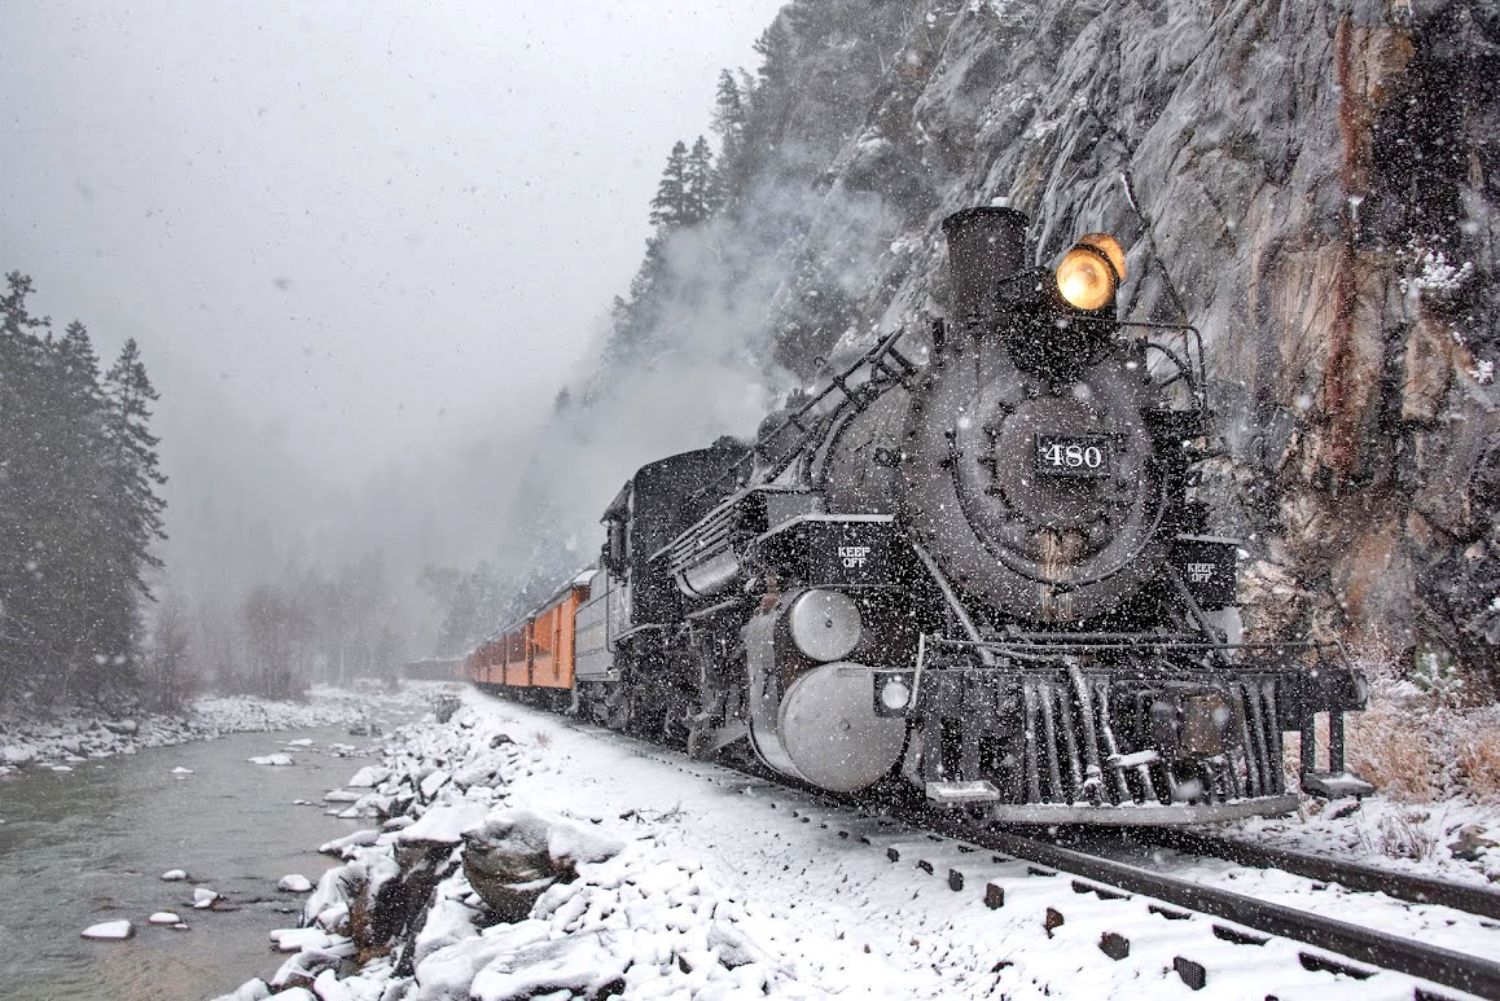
column 297, row 939
column 164, row 918
column 33, row 736
column 277, row 760
column 294, row 883
column 110, row 931
column 17, row 754
column 180, row 771
column 174, row 875
column 344, row 846
column 432, row 783
column 513, row 856
column 204, row 898
column 369, row 777
column 253, row 990
column 619, row 874
column 468, row 895
column 313, row 968
column 443, row 824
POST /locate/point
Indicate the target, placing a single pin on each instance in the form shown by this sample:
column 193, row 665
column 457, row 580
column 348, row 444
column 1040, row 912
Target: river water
column 91, row 845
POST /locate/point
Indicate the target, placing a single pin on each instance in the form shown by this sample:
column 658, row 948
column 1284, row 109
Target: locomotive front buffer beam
column 1135, row 739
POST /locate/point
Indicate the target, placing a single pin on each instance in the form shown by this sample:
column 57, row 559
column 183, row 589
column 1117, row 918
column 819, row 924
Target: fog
column 362, row 245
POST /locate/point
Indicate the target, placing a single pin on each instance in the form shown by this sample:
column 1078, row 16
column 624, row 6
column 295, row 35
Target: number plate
column 1072, row 454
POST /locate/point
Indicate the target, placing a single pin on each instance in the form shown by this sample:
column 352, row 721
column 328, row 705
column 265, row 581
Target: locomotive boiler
column 987, row 577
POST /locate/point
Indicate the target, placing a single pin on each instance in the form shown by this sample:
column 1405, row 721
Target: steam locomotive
column 987, row 578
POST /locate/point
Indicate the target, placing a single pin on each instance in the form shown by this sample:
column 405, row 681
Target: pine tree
column 669, row 209
column 703, row 195
column 81, row 580
column 731, row 110
column 775, row 47
column 23, row 462
column 134, row 508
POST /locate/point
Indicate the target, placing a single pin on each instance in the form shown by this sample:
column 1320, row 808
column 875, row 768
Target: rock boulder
column 515, row 855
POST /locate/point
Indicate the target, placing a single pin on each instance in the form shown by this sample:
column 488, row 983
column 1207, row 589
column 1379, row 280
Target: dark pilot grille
column 1119, row 760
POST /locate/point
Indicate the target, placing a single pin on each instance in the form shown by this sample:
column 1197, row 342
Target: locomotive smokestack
column 985, row 245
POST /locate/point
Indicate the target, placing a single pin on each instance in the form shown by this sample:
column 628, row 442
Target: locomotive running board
column 1141, row 816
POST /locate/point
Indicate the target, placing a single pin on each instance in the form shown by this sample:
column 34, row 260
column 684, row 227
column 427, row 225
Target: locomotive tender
column 987, row 577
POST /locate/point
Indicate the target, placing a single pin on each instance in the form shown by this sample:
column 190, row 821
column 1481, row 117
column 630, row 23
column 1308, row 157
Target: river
column 91, row 845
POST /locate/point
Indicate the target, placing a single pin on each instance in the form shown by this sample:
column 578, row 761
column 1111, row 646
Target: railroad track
column 1353, row 875
column 1201, row 930
column 1470, row 973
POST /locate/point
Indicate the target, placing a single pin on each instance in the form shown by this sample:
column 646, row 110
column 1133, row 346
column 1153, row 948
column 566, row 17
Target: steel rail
column 1352, row 875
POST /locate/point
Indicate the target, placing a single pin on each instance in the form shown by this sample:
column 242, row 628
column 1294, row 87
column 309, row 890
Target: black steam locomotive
column 986, row 576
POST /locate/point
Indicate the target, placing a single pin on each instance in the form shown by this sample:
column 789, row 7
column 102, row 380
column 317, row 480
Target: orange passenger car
column 535, row 652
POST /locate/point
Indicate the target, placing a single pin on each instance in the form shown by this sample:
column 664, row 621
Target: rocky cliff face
column 1314, row 185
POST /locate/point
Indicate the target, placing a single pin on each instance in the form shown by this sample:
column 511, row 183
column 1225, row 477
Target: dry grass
column 542, row 738
column 1479, row 764
column 1392, row 749
column 1404, row 834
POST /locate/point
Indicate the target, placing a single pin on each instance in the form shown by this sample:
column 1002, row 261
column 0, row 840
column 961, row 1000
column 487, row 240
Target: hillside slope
column 1320, row 185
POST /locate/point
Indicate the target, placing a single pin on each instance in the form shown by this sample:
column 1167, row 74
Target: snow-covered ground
column 1437, row 769
column 1457, row 839
column 66, row 736
column 695, row 882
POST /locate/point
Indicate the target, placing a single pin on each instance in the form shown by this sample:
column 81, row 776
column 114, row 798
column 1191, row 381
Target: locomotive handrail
column 875, row 358
column 1182, row 328
column 1077, row 643
column 1184, row 371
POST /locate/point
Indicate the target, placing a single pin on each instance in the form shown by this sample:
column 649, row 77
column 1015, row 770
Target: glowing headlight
column 895, row 694
column 1091, row 272
column 1109, row 247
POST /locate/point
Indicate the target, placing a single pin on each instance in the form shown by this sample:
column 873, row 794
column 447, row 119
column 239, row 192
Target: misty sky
column 362, row 225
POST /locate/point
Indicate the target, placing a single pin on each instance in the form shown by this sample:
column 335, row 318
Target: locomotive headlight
column 1091, row 272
